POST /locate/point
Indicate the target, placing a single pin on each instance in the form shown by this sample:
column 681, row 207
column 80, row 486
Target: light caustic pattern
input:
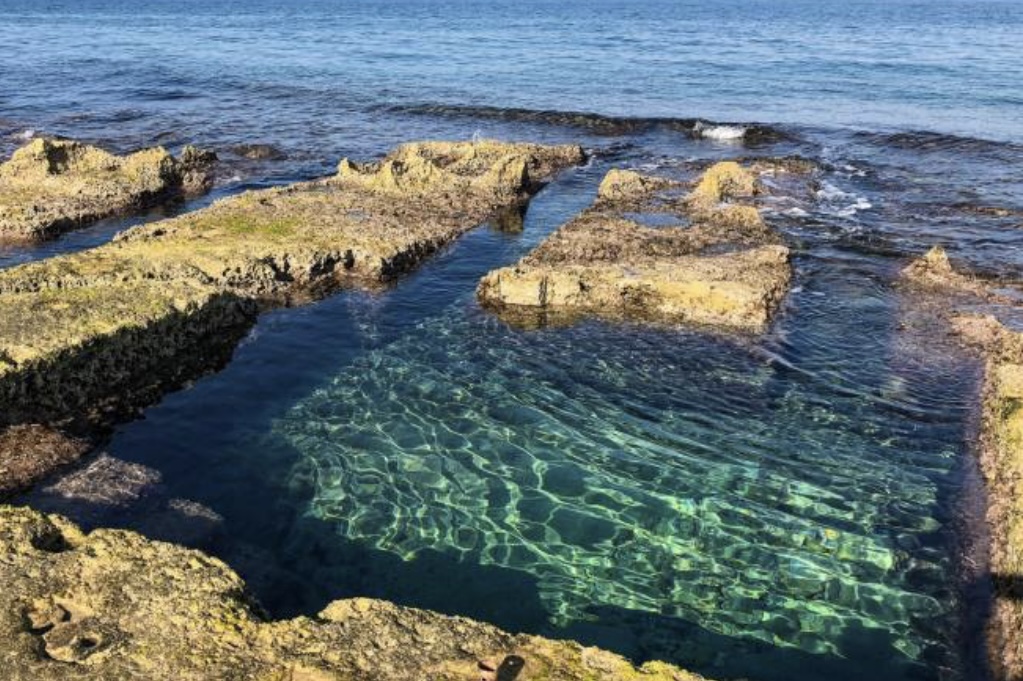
column 652, row 471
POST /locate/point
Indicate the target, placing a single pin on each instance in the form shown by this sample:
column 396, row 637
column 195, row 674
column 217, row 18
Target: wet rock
column 50, row 186
column 30, row 452
column 955, row 298
column 259, row 152
column 86, row 339
column 114, row 605
column 726, row 268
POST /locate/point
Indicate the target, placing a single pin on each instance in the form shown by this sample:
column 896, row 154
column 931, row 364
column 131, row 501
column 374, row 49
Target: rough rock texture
column 87, row 338
column 1002, row 464
column 719, row 264
column 114, row 605
column 1001, row 445
column 51, row 186
column 30, row 452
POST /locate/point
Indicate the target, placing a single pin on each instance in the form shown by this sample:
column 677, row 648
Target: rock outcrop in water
column 86, row 339
column 717, row 263
column 114, row 605
column 1001, row 445
column 51, row 186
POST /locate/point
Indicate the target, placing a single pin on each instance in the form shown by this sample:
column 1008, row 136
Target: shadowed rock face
column 86, row 339
column 52, row 186
column 1001, row 442
column 114, row 605
column 720, row 265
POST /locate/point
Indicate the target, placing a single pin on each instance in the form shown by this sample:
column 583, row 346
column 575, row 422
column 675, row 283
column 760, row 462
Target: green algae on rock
column 113, row 605
column 87, row 338
column 724, row 268
column 51, row 186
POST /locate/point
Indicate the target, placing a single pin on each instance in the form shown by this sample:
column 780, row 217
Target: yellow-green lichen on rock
column 50, row 186
column 89, row 337
column 113, row 605
column 721, row 265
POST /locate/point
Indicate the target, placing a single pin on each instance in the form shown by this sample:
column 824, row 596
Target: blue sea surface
column 802, row 505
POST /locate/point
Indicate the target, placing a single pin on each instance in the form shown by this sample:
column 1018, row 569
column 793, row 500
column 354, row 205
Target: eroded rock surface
column 718, row 263
column 962, row 301
column 87, row 338
column 114, row 605
column 50, row 186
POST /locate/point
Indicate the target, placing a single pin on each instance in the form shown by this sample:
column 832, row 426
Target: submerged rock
column 50, row 186
column 28, row 453
column 725, row 268
column 259, row 152
column 114, row 605
column 87, row 338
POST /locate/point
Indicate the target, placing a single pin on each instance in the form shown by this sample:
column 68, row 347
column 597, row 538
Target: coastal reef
column 972, row 307
column 87, row 339
column 112, row 604
column 50, row 186
column 650, row 250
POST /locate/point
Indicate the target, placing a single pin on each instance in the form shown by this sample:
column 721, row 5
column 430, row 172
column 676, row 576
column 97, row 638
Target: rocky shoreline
column 957, row 298
column 716, row 263
column 51, row 186
column 113, row 605
column 89, row 338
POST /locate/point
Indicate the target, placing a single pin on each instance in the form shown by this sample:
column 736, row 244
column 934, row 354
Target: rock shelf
column 719, row 264
column 50, row 186
column 87, row 339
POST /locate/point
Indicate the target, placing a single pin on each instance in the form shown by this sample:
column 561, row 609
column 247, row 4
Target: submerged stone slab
column 50, row 186
column 87, row 338
column 719, row 265
column 113, row 605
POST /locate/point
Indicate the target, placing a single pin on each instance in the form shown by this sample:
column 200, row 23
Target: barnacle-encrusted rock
column 50, row 186
column 114, row 605
column 719, row 263
column 87, row 338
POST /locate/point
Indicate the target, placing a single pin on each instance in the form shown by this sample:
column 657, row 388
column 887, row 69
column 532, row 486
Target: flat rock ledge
column 114, row 605
column 50, row 186
column 89, row 338
column 1001, row 440
column 704, row 257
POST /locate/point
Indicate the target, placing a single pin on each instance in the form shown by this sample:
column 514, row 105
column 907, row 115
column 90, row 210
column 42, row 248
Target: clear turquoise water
column 797, row 506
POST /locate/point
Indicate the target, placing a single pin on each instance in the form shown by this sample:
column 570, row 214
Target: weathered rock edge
column 724, row 268
column 86, row 339
column 1000, row 448
column 51, row 186
column 114, row 605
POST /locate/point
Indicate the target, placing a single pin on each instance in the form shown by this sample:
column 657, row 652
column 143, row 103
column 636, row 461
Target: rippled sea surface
column 800, row 505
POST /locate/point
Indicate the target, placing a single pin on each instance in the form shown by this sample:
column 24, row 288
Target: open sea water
column 802, row 505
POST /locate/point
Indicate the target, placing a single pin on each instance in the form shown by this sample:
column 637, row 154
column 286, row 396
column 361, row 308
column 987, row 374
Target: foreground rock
column 86, row 339
column 51, row 186
column 114, row 605
column 1001, row 445
column 715, row 263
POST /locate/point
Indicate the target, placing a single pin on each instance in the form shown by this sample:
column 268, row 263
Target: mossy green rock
column 114, row 605
column 50, row 186
column 87, row 338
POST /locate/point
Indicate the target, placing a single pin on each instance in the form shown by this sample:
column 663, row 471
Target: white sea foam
column 25, row 135
column 720, row 132
column 796, row 212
